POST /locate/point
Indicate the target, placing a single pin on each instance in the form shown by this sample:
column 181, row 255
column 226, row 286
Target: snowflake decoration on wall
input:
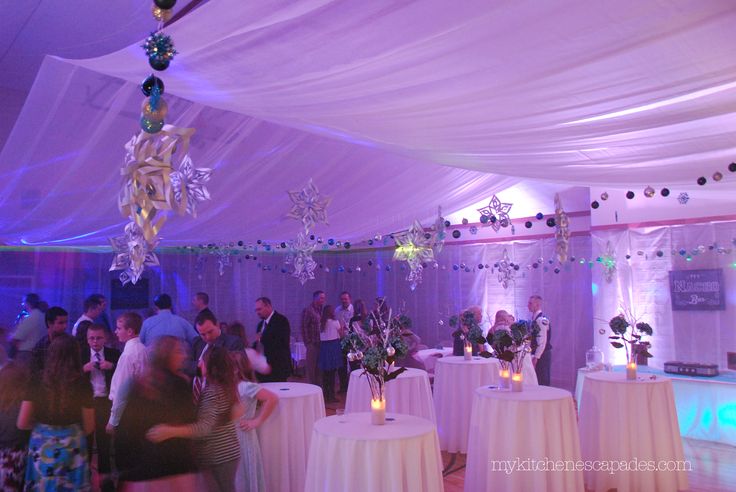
column 506, row 270
column 608, row 261
column 309, row 206
column 301, row 259
column 415, row 248
column 498, row 210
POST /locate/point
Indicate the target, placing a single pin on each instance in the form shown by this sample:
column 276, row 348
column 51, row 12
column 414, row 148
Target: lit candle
column 631, row 371
column 378, row 412
column 468, row 352
column 505, row 377
column 516, row 382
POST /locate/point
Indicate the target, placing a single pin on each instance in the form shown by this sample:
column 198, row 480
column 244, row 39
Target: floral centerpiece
column 510, row 346
column 474, row 333
column 377, row 346
column 630, row 341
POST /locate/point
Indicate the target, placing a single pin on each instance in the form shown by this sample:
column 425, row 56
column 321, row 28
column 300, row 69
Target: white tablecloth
column 539, row 423
column 429, row 356
column 350, row 454
column 705, row 406
column 409, row 394
column 455, row 382
column 286, row 434
column 631, row 425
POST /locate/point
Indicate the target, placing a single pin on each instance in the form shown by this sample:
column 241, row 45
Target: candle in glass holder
column 505, row 378
column 468, row 352
column 631, row 371
column 516, row 382
column 378, row 412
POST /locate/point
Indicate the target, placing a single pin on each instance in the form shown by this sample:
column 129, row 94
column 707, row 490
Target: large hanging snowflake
column 499, row 211
column 131, row 254
column 506, row 270
column 414, row 247
column 309, row 206
column 301, row 259
column 188, row 185
column 562, row 231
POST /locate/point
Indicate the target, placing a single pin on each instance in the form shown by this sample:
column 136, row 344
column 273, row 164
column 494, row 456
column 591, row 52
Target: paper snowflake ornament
column 309, row 206
column 506, row 270
column 608, row 261
column 301, row 259
column 132, row 254
column 188, row 185
column 683, row 198
column 562, row 231
column 414, row 247
column 498, row 210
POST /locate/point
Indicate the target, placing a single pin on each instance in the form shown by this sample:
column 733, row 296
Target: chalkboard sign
column 697, row 290
column 129, row 296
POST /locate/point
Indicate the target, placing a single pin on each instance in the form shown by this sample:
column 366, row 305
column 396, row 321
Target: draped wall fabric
column 641, row 284
column 66, row 278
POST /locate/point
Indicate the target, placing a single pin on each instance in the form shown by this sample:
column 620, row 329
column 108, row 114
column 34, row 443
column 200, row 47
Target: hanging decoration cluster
column 415, row 248
column 158, row 173
column 310, row 208
column 496, row 213
column 562, row 231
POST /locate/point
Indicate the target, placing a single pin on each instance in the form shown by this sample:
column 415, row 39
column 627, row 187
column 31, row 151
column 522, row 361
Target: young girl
column 330, row 353
column 218, row 448
column 249, row 477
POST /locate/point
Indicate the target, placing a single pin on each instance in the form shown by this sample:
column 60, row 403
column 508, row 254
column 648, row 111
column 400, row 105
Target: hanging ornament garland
column 415, row 247
column 496, row 213
column 151, row 186
column 439, row 234
column 301, row 259
column 506, row 270
column 608, row 261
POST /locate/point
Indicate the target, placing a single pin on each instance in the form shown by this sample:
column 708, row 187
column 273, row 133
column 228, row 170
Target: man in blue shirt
column 164, row 322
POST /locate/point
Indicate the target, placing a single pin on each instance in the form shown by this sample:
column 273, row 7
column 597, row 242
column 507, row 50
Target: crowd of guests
column 176, row 409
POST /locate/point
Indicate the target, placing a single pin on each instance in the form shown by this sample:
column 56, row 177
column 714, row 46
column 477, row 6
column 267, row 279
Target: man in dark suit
column 210, row 335
column 541, row 345
column 201, row 302
column 98, row 363
column 274, row 334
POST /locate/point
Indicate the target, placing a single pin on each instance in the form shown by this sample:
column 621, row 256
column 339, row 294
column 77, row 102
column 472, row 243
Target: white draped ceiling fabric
column 392, row 107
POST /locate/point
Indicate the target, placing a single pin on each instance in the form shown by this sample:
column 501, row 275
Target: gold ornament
column 157, row 114
column 649, row 192
column 162, row 15
column 717, row 176
column 604, row 196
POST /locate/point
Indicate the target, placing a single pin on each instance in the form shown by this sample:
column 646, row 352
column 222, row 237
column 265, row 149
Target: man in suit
column 541, row 341
column 274, row 334
column 210, row 335
column 98, row 363
column 57, row 320
column 201, row 302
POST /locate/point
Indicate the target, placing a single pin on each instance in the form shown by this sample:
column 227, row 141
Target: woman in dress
column 59, row 411
column 13, row 441
column 162, row 394
column 218, row 450
column 330, row 353
column 250, row 477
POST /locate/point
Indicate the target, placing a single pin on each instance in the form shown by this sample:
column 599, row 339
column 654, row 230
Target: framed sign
column 697, row 290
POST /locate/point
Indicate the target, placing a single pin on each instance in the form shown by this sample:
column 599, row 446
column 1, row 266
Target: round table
column 455, row 382
column 538, row 424
column 349, row 453
column 409, row 394
column 429, row 356
column 286, row 434
column 631, row 425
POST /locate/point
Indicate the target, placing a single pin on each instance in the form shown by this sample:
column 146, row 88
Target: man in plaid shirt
column 311, row 323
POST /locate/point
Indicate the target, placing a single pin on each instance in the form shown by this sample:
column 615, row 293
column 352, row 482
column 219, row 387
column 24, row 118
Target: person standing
column 98, row 364
column 541, row 341
column 132, row 363
column 330, row 354
column 57, row 320
column 344, row 313
column 13, row 441
column 201, row 302
column 92, row 309
column 210, row 335
column 29, row 331
column 311, row 323
column 164, row 323
column 274, row 334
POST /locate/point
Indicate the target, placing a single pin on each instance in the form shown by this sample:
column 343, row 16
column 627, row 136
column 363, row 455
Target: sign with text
column 697, row 290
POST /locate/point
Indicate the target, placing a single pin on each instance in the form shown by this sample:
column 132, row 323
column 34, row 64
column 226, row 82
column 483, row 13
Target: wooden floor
column 714, row 465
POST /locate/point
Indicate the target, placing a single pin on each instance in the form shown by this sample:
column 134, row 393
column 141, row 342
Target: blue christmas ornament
column 149, row 126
